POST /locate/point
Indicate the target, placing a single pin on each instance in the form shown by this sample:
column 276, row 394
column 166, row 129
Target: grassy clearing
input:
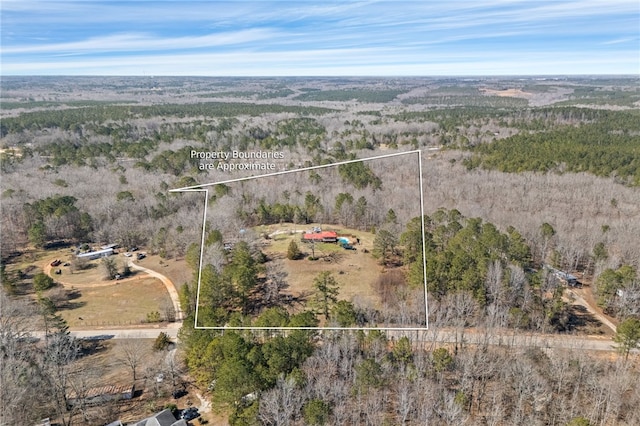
column 176, row 270
column 36, row 258
column 355, row 270
column 94, row 273
column 123, row 303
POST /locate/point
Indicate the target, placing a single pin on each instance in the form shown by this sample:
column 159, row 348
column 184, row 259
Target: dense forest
column 523, row 180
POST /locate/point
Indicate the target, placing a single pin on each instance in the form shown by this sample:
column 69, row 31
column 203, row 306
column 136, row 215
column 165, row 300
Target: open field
column 516, row 93
column 93, row 275
column 122, row 303
column 354, row 270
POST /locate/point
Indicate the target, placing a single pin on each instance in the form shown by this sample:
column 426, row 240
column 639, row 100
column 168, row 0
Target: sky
column 320, row 38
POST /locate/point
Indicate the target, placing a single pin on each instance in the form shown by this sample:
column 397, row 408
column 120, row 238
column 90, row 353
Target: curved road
column 169, row 285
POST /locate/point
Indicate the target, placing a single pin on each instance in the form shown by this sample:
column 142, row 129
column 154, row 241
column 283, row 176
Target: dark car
column 56, row 262
column 179, row 393
column 189, row 413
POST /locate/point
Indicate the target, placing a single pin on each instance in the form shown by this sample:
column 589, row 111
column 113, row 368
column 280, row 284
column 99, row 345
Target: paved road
column 505, row 338
column 123, row 333
column 499, row 337
column 511, row 338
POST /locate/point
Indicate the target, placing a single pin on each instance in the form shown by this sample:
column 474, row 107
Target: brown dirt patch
column 510, row 93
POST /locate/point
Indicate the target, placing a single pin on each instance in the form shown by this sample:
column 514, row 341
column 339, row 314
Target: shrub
column 42, row 282
column 293, row 252
column 162, row 341
column 154, row 317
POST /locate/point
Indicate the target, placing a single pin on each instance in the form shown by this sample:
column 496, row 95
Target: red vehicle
column 56, row 262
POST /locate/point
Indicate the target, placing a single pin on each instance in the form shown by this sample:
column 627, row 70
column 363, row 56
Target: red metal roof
column 320, row 235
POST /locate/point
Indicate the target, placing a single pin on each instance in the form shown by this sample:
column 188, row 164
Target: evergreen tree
column 628, row 336
column 326, row 295
column 293, row 252
column 242, row 272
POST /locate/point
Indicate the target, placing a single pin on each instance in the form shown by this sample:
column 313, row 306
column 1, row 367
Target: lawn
column 123, row 303
column 354, row 270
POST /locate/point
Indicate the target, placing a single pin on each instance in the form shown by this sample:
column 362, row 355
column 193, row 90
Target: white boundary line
column 323, row 166
column 201, row 188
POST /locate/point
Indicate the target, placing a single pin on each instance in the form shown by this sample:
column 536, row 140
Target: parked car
column 56, row 262
column 179, row 393
column 127, row 254
column 189, row 413
column 141, row 256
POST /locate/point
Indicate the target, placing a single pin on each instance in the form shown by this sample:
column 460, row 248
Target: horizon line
column 329, row 75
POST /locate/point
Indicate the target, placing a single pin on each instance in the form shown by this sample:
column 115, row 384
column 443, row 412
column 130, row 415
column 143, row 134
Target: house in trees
column 563, row 276
column 320, row 237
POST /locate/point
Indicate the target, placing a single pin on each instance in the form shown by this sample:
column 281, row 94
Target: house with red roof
column 320, row 237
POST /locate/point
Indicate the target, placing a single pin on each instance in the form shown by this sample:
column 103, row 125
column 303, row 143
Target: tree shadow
column 580, row 318
column 93, row 346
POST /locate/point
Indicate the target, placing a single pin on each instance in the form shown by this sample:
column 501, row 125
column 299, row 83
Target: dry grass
column 92, row 274
column 515, row 93
column 176, row 270
column 355, row 271
column 123, row 303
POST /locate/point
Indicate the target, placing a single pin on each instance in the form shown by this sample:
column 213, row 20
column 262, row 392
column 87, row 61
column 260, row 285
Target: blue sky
column 320, row 38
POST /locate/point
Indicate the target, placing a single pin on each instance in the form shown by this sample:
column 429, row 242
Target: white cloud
column 338, row 62
column 143, row 42
column 244, row 37
column 620, row 40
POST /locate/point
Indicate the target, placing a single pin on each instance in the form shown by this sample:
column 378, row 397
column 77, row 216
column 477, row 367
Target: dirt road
column 169, row 285
column 576, row 299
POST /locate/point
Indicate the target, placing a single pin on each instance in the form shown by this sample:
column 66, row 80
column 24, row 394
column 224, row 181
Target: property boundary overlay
column 203, row 188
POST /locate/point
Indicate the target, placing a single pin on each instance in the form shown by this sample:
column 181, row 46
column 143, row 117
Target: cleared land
column 355, row 270
column 123, row 303
column 176, row 269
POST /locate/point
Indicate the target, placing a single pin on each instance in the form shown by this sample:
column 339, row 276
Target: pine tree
column 293, row 252
column 327, row 291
